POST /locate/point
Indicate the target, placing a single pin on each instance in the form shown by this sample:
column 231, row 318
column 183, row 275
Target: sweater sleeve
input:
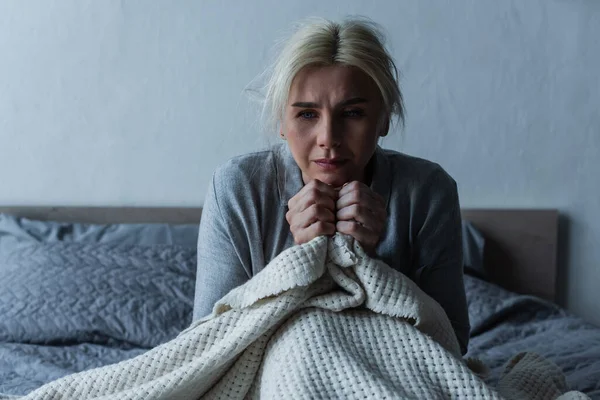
column 437, row 249
column 220, row 268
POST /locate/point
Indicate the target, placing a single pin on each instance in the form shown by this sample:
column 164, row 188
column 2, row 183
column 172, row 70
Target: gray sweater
column 243, row 226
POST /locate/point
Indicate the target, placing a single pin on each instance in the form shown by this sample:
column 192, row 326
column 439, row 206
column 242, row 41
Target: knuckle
column 313, row 210
column 296, row 238
column 324, row 226
column 313, row 192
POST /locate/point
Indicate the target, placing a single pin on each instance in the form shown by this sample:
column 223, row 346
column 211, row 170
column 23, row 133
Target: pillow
column 68, row 292
column 473, row 244
column 490, row 304
column 18, row 230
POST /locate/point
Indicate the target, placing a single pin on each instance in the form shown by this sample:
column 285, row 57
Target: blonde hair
column 355, row 42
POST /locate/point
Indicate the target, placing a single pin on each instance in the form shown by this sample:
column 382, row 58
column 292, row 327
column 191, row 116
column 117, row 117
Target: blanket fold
column 322, row 320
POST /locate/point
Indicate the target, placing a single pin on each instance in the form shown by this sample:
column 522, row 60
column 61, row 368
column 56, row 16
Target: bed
column 134, row 268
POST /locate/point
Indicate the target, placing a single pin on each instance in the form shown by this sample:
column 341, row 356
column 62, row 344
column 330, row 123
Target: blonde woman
column 333, row 93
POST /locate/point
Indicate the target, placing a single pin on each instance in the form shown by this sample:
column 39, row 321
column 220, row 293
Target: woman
column 333, row 92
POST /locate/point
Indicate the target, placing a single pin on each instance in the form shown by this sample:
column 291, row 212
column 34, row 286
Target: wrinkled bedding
column 503, row 324
column 25, row 367
column 322, row 294
column 66, row 307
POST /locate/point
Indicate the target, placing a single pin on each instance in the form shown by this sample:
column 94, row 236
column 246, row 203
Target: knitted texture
column 322, row 320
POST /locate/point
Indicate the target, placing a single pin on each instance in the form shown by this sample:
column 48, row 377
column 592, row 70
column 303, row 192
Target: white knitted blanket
column 322, row 320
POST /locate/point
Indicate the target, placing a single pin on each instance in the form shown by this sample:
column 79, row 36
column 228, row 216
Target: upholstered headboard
column 520, row 255
column 521, row 248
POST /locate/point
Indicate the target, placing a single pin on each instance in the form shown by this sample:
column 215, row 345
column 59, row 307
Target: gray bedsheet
column 66, row 307
column 503, row 324
column 25, row 367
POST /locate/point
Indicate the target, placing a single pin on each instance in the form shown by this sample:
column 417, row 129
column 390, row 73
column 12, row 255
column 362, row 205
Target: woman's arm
column 437, row 250
column 219, row 266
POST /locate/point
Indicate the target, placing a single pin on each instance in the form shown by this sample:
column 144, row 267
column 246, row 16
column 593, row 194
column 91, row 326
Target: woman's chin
column 333, row 180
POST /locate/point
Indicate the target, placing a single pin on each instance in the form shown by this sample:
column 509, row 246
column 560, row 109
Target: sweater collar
column 289, row 175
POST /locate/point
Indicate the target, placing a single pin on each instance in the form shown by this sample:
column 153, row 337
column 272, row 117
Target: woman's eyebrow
column 354, row 100
column 349, row 102
column 305, row 104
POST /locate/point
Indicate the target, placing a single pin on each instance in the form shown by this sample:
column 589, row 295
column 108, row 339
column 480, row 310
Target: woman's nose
column 329, row 135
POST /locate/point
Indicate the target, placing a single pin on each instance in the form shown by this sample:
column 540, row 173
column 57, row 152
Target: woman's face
column 332, row 121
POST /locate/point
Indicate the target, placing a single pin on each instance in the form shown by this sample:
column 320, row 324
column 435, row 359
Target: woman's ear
column 384, row 126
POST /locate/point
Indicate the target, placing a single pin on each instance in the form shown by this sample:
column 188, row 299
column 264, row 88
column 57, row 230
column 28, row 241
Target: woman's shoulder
column 250, row 171
column 417, row 170
column 248, row 162
column 422, row 182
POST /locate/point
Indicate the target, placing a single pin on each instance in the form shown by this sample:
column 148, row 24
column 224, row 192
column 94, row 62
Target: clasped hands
column 354, row 209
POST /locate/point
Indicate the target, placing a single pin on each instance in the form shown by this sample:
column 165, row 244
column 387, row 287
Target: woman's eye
column 307, row 114
column 354, row 113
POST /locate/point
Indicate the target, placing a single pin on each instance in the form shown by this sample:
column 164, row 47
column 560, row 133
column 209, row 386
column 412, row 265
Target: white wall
column 135, row 102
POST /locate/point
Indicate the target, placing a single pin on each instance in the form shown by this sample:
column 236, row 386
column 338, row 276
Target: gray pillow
column 67, row 292
column 18, row 230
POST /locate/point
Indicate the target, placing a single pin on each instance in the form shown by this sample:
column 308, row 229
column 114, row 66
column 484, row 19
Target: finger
column 366, row 197
column 357, row 185
column 364, row 190
column 319, row 228
column 316, row 213
column 352, row 186
column 348, row 198
column 314, row 192
column 355, row 192
column 322, row 187
column 309, row 216
column 358, row 213
column 373, row 220
column 375, row 211
column 320, row 200
column 364, row 236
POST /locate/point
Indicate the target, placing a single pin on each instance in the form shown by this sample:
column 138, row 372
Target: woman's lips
column 330, row 164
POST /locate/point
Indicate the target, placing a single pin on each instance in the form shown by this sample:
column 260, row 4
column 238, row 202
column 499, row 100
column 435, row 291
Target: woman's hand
column 361, row 214
column 311, row 212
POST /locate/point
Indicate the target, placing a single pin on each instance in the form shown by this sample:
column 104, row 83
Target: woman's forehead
column 335, row 82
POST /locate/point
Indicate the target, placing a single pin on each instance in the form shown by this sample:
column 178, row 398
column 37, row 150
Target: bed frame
column 520, row 254
column 521, row 249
